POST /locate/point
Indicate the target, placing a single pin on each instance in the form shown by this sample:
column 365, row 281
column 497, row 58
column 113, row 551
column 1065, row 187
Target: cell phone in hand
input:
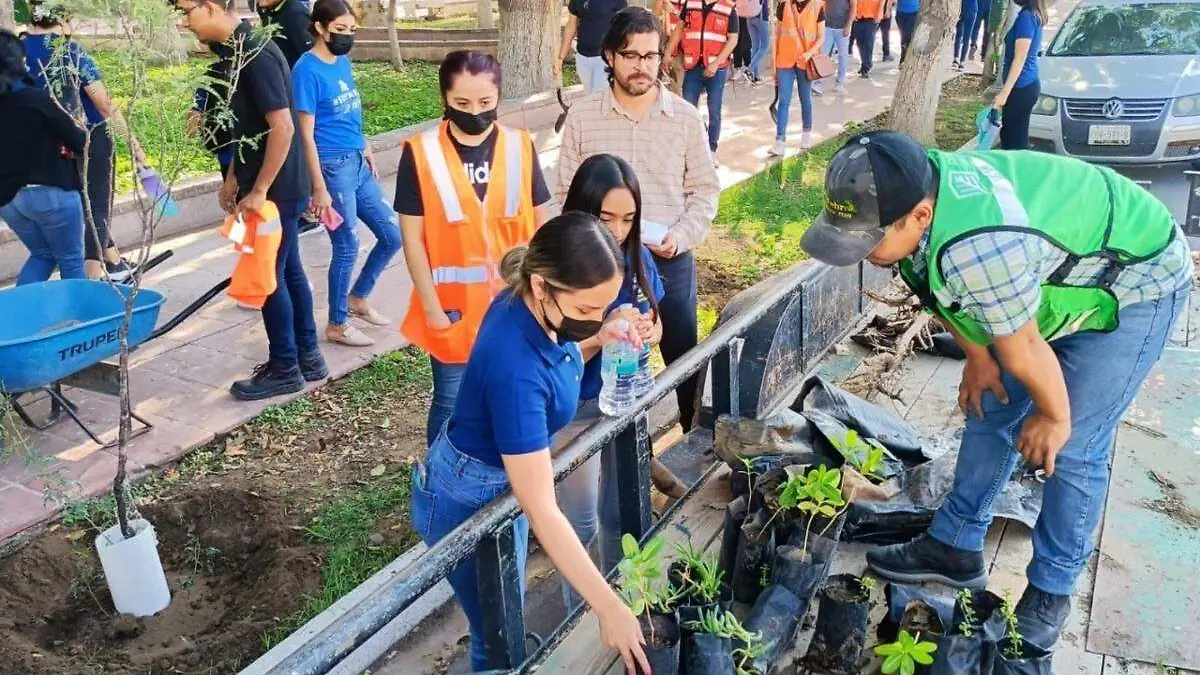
column 332, row 220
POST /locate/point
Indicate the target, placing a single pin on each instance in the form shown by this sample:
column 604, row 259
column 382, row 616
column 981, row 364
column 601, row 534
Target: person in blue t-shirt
column 520, row 388
column 906, row 20
column 64, row 68
column 1021, row 84
column 343, row 170
column 607, row 187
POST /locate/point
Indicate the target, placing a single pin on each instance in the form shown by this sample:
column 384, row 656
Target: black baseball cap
column 875, row 179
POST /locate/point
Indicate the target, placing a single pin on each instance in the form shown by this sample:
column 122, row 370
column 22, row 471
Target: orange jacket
column 799, row 31
column 706, row 30
column 869, row 9
column 464, row 238
column 256, row 235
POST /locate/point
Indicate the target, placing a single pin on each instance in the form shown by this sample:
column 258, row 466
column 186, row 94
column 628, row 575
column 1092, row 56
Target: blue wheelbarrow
column 61, row 332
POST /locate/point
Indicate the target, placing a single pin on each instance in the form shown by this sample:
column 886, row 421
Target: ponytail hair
column 574, row 251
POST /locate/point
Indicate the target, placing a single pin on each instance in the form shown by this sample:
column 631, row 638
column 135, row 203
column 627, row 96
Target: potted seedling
column 800, row 568
column 841, row 629
column 642, row 588
column 906, row 654
column 865, row 455
column 698, row 583
column 1015, row 655
column 963, row 649
column 721, row 645
column 756, row 545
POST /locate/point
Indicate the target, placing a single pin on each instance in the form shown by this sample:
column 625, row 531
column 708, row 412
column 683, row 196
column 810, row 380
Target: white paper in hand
column 653, row 233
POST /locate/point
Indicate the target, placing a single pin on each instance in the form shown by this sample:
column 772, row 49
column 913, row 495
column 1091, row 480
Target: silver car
column 1121, row 83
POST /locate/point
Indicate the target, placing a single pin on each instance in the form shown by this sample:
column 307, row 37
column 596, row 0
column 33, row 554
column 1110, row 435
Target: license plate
column 1109, row 134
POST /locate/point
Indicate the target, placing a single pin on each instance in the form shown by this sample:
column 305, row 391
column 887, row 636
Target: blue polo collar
column 550, row 351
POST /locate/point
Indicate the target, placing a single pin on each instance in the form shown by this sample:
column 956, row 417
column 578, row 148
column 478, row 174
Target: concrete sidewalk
column 180, row 381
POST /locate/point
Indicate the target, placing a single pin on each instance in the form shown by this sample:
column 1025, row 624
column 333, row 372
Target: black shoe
column 268, row 381
column 927, row 559
column 120, row 271
column 1040, row 617
column 308, row 226
column 887, row 58
column 312, row 366
column 774, row 113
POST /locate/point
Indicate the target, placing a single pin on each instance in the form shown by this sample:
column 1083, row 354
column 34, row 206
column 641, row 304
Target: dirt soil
column 233, row 538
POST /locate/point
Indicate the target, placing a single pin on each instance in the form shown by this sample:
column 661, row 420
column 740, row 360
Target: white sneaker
column 778, row 150
column 839, row 88
column 805, row 141
column 818, row 89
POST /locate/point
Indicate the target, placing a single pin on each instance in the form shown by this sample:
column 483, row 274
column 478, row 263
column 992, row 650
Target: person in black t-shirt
column 292, row 20
column 268, row 164
column 39, row 178
column 587, row 22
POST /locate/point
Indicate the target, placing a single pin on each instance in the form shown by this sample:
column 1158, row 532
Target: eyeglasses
column 647, row 59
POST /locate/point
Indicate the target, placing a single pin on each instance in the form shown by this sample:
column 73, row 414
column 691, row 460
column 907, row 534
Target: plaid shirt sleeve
column 993, row 277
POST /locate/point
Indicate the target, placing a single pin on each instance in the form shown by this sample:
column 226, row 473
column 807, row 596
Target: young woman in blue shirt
column 520, row 388
column 607, row 187
column 1022, row 85
column 329, row 110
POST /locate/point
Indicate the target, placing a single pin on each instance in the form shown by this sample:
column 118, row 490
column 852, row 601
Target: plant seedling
column 724, row 624
column 865, row 456
column 820, row 495
column 702, row 575
column 903, row 655
column 641, row 575
column 748, row 466
column 967, row 605
column 865, row 586
column 1012, row 637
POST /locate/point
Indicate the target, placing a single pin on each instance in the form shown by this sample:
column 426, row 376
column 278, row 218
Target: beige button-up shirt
column 668, row 149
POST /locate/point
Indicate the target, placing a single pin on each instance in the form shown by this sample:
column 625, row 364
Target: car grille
column 1134, row 109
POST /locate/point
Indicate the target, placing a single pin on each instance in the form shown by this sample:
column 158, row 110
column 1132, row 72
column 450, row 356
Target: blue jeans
column 760, row 43
column 907, row 22
column 447, row 377
column 1103, row 373
column 962, row 31
column 787, row 78
column 836, row 39
column 356, row 195
column 588, row 497
column 694, row 82
column 448, row 488
column 49, row 221
column 288, row 312
column 863, row 33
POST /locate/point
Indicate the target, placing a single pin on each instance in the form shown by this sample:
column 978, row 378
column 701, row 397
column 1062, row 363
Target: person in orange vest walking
column 799, row 37
column 708, row 34
column 867, row 15
column 466, row 192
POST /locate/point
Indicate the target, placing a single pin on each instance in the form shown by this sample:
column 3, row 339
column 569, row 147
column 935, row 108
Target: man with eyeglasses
column 656, row 131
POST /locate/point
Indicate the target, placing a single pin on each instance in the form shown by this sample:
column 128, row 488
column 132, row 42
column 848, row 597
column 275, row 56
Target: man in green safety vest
column 1061, row 280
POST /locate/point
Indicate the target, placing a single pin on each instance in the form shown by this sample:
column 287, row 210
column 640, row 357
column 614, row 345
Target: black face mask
column 340, row 43
column 570, row 329
column 471, row 124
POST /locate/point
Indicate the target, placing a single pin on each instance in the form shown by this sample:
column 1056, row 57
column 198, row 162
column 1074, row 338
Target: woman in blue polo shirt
column 607, row 187
column 1022, row 85
column 329, row 110
column 520, row 387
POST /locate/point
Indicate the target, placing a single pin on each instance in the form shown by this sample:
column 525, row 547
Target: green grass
column 462, row 22
column 770, row 211
column 387, row 377
column 344, row 528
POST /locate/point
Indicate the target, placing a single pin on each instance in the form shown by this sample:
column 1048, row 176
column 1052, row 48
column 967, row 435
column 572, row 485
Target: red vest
column 706, row 29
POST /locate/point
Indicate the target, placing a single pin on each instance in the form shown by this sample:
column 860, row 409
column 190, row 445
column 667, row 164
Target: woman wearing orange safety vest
column 466, row 192
column 707, row 34
column 798, row 38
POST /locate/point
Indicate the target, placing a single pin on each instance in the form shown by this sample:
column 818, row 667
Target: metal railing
column 790, row 320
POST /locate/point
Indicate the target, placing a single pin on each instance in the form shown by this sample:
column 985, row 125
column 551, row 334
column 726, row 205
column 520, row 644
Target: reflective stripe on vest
column 799, row 31
column 460, row 275
column 440, row 171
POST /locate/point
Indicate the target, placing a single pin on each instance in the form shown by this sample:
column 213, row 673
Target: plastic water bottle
column 987, row 128
column 158, row 192
column 619, row 374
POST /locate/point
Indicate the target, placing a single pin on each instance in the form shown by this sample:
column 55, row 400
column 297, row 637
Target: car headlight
column 1187, row 106
column 1046, row 105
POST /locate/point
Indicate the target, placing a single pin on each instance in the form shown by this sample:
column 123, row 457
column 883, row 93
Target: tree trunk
column 483, row 9
column 6, row 15
column 914, row 106
column 996, row 25
column 393, row 38
column 527, row 35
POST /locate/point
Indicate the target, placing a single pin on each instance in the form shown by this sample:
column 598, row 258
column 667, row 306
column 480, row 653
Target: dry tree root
column 899, row 327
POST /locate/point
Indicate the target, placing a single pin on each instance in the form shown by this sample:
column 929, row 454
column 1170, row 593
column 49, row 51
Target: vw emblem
column 1113, row 108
